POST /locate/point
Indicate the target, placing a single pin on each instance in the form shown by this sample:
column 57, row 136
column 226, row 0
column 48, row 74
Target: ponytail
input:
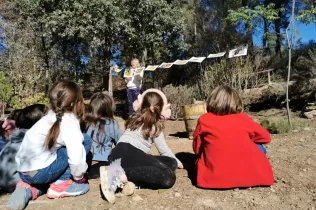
column 54, row 131
column 149, row 119
column 52, row 135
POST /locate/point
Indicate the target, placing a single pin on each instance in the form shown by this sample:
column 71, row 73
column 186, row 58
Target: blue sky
column 305, row 33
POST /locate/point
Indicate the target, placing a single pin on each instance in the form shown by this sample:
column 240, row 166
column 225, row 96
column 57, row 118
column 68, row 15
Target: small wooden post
column 269, row 78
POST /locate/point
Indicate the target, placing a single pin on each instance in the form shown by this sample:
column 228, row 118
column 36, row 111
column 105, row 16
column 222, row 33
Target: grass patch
column 278, row 125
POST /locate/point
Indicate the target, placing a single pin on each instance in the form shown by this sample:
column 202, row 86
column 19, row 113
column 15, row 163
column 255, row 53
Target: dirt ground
column 293, row 157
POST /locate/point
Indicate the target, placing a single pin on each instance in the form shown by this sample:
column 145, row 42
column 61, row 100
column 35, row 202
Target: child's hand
column 180, row 167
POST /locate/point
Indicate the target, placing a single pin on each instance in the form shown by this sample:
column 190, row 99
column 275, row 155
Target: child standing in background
column 228, row 145
column 53, row 151
column 134, row 85
column 9, row 176
column 101, row 126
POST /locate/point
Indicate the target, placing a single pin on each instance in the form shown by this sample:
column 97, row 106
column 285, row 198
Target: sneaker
column 105, row 185
column 67, row 188
column 112, row 177
column 22, row 195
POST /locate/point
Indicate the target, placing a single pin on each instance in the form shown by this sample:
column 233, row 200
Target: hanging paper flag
column 129, row 73
column 116, row 69
column 139, row 71
column 197, row 59
column 165, row 65
column 180, row 62
column 151, row 67
column 216, row 55
column 240, row 51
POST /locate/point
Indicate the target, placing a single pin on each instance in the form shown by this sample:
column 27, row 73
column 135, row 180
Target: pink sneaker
column 67, row 188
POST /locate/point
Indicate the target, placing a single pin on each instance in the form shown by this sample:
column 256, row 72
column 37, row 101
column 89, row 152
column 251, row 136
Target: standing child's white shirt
column 34, row 155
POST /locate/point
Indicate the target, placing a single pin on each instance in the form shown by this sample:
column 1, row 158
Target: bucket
column 191, row 114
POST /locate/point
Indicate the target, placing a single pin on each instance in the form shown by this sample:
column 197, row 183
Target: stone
column 137, row 198
column 177, row 194
column 129, row 189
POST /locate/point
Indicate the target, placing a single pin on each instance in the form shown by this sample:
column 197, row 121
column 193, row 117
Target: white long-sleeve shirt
column 33, row 154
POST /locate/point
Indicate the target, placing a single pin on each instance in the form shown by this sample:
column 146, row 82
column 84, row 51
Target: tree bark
column 277, row 23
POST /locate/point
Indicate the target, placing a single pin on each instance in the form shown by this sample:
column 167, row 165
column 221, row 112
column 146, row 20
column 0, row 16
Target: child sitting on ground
column 101, row 126
column 227, row 143
column 53, row 151
column 144, row 128
column 9, row 176
column 9, row 124
column 8, row 127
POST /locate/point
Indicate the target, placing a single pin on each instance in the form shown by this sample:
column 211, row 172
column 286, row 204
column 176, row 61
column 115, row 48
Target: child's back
column 9, row 176
column 228, row 156
column 103, row 135
column 8, row 168
column 101, row 126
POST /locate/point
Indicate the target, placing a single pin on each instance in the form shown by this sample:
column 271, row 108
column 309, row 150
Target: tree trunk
column 277, row 23
column 248, row 29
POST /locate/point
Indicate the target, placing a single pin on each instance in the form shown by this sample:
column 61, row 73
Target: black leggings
column 153, row 172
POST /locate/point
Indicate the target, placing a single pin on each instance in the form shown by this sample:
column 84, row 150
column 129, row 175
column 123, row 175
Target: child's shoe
column 22, row 195
column 67, row 188
column 112, row 177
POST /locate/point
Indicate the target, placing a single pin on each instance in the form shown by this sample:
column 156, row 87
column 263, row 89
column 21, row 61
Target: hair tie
column 152, row 108
column 58, row 117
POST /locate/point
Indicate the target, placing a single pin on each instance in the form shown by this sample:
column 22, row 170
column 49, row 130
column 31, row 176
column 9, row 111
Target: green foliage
column 38, row 98
column 254, row 16
column 307, row 16
column 5, row 89
column 279, row 125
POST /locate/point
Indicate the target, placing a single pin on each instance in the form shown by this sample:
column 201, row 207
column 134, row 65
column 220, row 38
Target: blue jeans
column 261, row 147
column 59, row 169
column 132, row 94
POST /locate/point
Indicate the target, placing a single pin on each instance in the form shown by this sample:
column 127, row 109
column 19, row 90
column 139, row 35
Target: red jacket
column 227, row 154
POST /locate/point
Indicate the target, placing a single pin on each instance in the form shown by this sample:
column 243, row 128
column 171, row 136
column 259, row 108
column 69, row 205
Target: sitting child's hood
column 18, row 135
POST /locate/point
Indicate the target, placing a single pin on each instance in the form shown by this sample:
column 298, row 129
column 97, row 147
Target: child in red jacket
column 228, row 145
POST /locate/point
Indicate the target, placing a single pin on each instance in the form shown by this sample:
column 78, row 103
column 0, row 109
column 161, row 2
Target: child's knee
column 168, row 181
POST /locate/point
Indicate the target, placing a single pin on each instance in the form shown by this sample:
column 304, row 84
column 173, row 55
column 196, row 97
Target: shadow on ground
column 188, row 160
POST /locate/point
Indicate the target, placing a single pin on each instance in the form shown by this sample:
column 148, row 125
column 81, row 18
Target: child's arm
column 197, row 141
column 73, row 139
column 261, row 135
column 163, row 148
column 258, row 133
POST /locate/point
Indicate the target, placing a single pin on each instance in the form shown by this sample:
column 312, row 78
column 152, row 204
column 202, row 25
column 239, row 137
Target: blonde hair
column 135, row 60
column 224, row 100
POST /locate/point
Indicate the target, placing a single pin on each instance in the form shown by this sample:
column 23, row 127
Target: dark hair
column 100, row 109
column 224, row 100
column 64, row 97
column 14, row 114
column 148, row 116
column 30, row 115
